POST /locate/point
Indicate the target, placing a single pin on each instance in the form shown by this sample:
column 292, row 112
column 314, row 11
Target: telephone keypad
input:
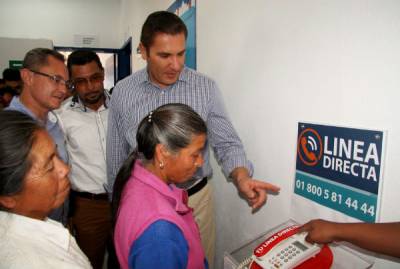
column 284, row 256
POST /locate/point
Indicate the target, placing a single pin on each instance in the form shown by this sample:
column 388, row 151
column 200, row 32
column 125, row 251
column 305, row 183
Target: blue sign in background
column 348, row 193
column 189, row 18
column 346, row 133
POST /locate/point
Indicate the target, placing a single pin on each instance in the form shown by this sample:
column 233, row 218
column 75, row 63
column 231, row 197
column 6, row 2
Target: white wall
column 133, row 15
column 60, row 20
column 281, row 62
column 16, row 48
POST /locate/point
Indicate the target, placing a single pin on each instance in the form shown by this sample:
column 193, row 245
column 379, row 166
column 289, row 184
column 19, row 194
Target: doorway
column 116, row 62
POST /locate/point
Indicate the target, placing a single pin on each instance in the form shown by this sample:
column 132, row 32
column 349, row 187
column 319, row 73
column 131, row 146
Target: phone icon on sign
column 309, row 147
column 310, row 155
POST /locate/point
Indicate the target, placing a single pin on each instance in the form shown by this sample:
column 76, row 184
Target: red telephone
column 288, row 249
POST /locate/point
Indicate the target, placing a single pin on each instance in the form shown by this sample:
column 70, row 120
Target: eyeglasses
column 93, row 79
column 56, row 79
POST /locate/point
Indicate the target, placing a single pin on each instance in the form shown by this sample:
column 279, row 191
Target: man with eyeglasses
column 83, row 119
column 45, row 84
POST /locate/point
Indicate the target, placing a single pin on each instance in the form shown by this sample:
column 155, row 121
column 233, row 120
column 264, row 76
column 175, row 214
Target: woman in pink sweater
column 154, row 226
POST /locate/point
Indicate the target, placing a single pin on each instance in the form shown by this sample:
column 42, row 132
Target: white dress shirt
column 30, row 243
column 85, row 135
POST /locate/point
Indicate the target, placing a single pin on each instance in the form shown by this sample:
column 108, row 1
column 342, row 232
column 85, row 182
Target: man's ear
column 143, row 51
column 8, row 202
column 26, row 76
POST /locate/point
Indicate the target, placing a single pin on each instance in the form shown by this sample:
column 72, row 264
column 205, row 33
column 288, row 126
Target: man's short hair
column 161, row 22
column 81, row 57
column 38, row 57
column 11, row 74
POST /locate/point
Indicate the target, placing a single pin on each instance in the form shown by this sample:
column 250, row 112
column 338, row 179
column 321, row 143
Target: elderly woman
column 33, row 181
column 155, row 227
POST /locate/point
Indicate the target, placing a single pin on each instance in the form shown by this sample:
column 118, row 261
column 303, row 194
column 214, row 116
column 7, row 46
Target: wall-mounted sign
column 86, row 41
column 186, row 10
column 340, row 168
column 16, row 64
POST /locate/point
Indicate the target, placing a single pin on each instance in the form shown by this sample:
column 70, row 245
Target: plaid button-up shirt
column 135, row 96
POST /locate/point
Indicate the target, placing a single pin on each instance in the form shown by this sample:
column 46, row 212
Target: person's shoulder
column 66, row 104
column 15, row 258
column 65, row 107
column 130, row 82
column 194, row 74
column 14, row 252
column 15, row 104
column 198, row 81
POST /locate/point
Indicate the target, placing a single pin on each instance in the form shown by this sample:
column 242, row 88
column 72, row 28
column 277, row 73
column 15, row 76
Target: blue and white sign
column 340, row 168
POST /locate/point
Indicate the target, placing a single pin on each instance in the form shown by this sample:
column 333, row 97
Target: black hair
column 82, row 57
column 39, row 57
column 172, row 125
column 17, row 135
column 11, row 74
column 161, row 22
column 8, row 89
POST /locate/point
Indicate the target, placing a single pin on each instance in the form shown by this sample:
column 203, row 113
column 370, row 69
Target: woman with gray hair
column 154, row 225
column 33, row 182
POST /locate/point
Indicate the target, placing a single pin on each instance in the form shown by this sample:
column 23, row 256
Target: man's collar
column 76, row 102
column 183, row 76
column 145, row 77
column 16, row 104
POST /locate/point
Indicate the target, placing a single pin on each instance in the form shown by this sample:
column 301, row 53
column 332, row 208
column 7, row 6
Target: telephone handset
column 310, row 155
column 284, row 250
